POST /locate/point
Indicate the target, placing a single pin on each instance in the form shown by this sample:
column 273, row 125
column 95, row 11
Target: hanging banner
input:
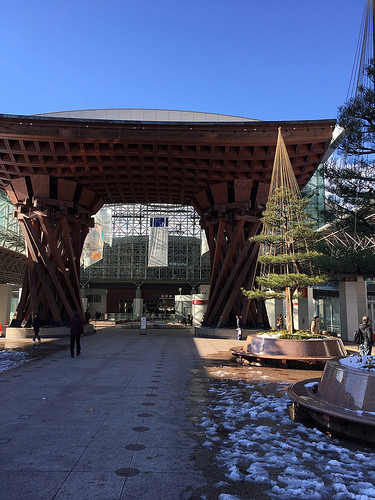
column 104, row 218
column 101, row 233
column 204, row 243
column 93, row 248
column 158, row 242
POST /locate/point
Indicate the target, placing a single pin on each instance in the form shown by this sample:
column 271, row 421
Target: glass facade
column 314, row 191
column 11, row 236
column 126, row 259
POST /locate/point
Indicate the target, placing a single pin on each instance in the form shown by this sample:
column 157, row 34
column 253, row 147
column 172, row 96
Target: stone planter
column 342, row 400
column 291, row 352
column 298, row 349
column 44, row 332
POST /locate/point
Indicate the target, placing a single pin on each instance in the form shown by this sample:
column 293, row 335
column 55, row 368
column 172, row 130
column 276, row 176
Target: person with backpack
column 364, row 337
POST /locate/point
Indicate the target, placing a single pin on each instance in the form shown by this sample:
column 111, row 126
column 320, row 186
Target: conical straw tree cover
column 285, row 257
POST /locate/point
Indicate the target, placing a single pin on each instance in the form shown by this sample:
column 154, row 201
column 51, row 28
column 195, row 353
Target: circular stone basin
column 323, row 349
column 346, row 390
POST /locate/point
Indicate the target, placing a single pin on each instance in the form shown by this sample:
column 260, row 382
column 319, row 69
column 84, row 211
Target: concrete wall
column 199, row 307
column 182, row 305
column 96, row 306
column 274, row 307
column 301, row 314
column 137, row 307
column 5, row 304
column 353, row 305
column 195, row 304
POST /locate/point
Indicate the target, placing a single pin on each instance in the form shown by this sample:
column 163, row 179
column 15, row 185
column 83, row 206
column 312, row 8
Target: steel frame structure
column 10, row 232
column 345, row 237
column 126, row 260
column 12, row 244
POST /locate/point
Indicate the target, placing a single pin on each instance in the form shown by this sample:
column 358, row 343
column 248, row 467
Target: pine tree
column 286, row 256
column 350, row 180
column 351, row 177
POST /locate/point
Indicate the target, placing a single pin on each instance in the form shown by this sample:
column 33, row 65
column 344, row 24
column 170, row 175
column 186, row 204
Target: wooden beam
column 48, row 292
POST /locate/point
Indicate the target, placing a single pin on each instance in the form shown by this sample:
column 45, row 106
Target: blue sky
column 272, row 60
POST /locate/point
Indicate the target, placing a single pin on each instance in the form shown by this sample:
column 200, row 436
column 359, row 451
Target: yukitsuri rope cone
column 284, row 256
column 282, row 173
column 286, row 265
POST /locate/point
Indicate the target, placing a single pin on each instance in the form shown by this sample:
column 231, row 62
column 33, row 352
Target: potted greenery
column 287, row 258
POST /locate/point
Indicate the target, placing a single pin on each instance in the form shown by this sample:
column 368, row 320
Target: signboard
column 158, row 242
column 143, row 323
column 197, row 302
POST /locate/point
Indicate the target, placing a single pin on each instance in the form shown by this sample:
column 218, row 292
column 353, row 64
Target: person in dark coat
column 36, row 327
column 280, row 322
column 366, row 346
column 76, row 330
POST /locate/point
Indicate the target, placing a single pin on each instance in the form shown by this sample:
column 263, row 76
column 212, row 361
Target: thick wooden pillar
column 55, row 216
column 229, row 214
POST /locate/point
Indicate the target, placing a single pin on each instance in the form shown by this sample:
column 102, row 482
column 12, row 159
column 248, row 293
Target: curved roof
column 149, row 115
column 137, row 161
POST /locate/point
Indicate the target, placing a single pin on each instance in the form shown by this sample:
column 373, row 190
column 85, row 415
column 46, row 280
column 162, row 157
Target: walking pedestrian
column 239, row 324
column 76, row 330
column 36, row 327
column 365, row 346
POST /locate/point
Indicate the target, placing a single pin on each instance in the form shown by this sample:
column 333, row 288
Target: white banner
column 158, row 242
column 93, row 247
column 204, row 243
column 101, row 233
column 104, row 218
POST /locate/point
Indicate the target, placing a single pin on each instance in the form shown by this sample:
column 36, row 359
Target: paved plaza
column 118, row 422
column 113, row 423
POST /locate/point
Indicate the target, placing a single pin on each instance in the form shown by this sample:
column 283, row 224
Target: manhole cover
column 141, row 429
column 144, row 414
column 135, row 447
column 127, row 472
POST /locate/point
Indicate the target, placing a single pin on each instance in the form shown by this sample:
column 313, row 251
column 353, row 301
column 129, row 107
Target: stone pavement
column 114, row 423
column 118, row 422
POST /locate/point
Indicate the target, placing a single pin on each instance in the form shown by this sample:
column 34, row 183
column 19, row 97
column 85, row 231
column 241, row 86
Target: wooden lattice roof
column 149, row 162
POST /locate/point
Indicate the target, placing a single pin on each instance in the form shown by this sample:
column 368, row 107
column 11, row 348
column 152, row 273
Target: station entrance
column 59, row 171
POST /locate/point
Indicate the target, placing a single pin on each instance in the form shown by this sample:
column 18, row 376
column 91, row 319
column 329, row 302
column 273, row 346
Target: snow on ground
column 248, row 427
column 12, row 359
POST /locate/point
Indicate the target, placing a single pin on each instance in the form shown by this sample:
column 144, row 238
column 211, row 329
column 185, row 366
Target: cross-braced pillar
column 55, row 216
column 229, row 214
